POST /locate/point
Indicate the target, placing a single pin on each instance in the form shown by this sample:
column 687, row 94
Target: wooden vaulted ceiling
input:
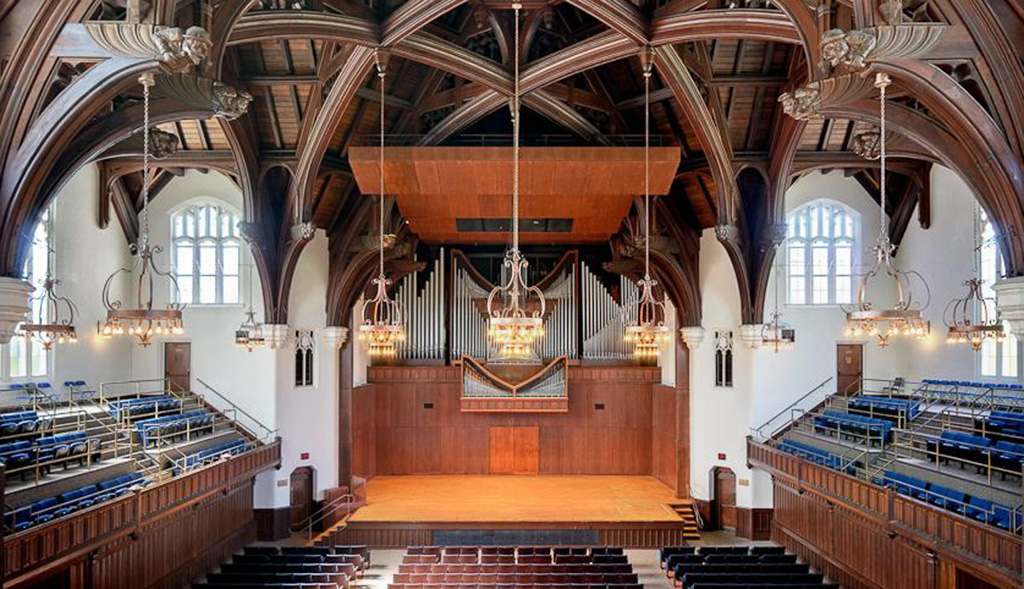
column 741, row 79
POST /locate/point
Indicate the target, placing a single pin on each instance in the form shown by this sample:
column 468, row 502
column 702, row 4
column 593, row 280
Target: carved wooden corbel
column 226, row 102
column 177, row 51
column 851, row 52
column 808, row 102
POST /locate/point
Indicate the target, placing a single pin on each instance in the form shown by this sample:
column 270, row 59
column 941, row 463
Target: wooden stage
column 635, row 511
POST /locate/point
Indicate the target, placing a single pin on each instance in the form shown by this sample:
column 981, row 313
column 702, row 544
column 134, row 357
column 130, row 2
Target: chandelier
column 381, row 327
column 515, row 326
column 249, row 334
column 58, row 330
column 142, row 320
column 777, row 335
column 904, row 317
column 648, row 331
column 962, row 329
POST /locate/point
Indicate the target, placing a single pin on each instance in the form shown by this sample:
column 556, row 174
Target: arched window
column 821, row 253
column 26, row 358
column 206, row 251
column 997, row 359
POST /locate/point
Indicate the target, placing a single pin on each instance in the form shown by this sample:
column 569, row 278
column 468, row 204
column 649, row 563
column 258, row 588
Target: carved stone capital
column 276, row 334
column 730, row 233
column 335, row 337
column 892, row 11
column 175, row 50
column 225, row 102
column 774, row 235
column 802, row 103
column 750, row 335
column 1010, row 302
column 303, row 231
column 692, row 336
column 15, row 295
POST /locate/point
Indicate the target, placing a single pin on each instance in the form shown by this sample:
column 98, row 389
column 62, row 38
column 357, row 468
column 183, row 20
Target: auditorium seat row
column 851, row 423
column 968, row 447
column 737, row 566
column 979, row 385
column 1005, row 422
column 348, row 550
column 23, row 423
column 318, row 567
column 172, row 427
column 511, row 567
column 123, row 409
column 208, row 455
column 50, row 508
column 816, row 455
column 48, row 449
column 886, row 407
column 518, row 578
column 953, row 500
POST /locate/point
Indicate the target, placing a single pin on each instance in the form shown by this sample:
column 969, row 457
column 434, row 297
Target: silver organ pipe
column 604, row 327
column 424, row 311
column 469, row 326
column 560, row 326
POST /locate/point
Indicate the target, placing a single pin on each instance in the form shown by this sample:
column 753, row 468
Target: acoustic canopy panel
column 448, row 193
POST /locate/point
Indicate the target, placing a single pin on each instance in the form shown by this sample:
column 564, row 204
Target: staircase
column 687, row 512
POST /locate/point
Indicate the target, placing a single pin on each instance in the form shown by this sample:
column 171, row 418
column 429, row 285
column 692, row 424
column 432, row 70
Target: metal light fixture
column 515, row 326
column 58, row 329
column 249, row 334
column 142, row 320
column 382, row 326
column 962, row 329
column 647, row 330
column 904, row 317
column 777, row 335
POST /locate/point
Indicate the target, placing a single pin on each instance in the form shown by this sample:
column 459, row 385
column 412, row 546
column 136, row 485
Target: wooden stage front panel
column 623, row 510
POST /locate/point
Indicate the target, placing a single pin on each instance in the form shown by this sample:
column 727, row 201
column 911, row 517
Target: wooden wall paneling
column 863, row 536
column 272, row 524
column 420, row 428
column 682, row 426
column 502, row 450
column 663, row 434
column 364, row 435
column 526, row 450
column 37, row 552
column 754, row 523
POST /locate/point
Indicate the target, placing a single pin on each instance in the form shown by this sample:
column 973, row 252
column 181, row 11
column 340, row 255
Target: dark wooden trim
column 272, row 523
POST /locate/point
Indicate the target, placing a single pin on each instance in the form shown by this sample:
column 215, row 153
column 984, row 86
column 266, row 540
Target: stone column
column 15, row 299
column 1010, row 302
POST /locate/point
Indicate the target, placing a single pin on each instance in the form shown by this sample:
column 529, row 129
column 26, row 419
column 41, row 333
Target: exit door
column 178, row 365
column 849, row 368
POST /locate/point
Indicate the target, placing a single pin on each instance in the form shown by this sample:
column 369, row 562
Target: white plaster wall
column 944, row 254
column 308, row 416
column 244, row 378
column 719, row 417
column 84, row 256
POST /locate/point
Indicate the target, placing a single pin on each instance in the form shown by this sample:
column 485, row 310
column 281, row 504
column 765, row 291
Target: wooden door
column 514, row 450
column 301, row 486
column 526, row 445
column 725, row 497
column 178, row 365
column 849, row 367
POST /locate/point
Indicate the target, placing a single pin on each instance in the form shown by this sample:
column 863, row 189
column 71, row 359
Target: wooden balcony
column 865, row 536
column 110, row 542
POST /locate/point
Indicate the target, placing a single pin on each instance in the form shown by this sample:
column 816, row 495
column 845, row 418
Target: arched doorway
column 723, row 499
column 301, row 492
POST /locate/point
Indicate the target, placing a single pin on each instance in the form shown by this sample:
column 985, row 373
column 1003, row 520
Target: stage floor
column 545, row 498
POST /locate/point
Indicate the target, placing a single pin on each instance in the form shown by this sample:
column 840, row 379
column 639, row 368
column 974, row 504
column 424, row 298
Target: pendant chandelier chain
column 647, row 173
column 382, row 74
column 884, row 236
column 147, row 83
column 515, row 141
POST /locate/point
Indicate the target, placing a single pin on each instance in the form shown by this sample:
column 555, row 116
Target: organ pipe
column 425, row 313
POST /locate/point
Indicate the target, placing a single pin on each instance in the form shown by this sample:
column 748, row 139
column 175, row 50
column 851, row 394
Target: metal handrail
column 758, row 432
column 138, row 383
column 329, row 509
column 268, row 434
